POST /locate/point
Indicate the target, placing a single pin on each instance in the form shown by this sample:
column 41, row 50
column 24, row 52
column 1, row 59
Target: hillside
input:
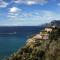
column 43, row 46
column 52, row 23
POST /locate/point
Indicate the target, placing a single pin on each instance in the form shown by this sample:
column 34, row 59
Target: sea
column 13, row 38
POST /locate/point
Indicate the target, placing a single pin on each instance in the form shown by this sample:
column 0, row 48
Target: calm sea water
column 13, row 38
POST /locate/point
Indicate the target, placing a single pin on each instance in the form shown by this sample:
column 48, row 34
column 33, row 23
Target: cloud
column 3, row 4
column 14, row 11
column 49, row 16
column 33, row 18
column 31, row 2
column 46, row 16
column 17, row 16
column 58, row 4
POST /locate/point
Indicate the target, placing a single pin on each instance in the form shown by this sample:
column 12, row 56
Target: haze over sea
column 13, row 38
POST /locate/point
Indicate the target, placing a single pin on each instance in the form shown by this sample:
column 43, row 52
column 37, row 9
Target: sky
column 28, row 12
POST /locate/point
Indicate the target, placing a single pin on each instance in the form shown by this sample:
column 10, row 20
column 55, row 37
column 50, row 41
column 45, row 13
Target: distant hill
column 52, row 23
column 55, row 22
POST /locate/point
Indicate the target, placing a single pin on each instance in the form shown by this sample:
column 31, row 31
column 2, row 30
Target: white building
column 48, row 29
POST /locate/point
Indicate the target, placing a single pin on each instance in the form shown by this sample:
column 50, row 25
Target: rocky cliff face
column 40, row 49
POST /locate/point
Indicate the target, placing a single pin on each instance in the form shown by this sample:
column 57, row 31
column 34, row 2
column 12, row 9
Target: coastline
column 35, row 40
column 45, row 45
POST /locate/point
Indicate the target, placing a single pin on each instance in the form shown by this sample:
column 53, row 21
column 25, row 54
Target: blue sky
column 28, row 12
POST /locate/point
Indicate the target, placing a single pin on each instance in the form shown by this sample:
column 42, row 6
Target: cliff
column 43, row 46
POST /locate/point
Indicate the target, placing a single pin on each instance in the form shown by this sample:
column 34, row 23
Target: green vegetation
column 40, row 49
column 55, row 34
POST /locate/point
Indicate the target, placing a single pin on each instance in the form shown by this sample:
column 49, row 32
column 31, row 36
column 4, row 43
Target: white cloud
column 34, row 18
column 58, row 4
column 31, row 2
column 14, row 10
column 49, row 16
column 3, row 4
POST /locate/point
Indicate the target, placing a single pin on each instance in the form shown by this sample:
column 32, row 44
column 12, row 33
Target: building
column 48, row 29
column 46, row 37
column 53, row 26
